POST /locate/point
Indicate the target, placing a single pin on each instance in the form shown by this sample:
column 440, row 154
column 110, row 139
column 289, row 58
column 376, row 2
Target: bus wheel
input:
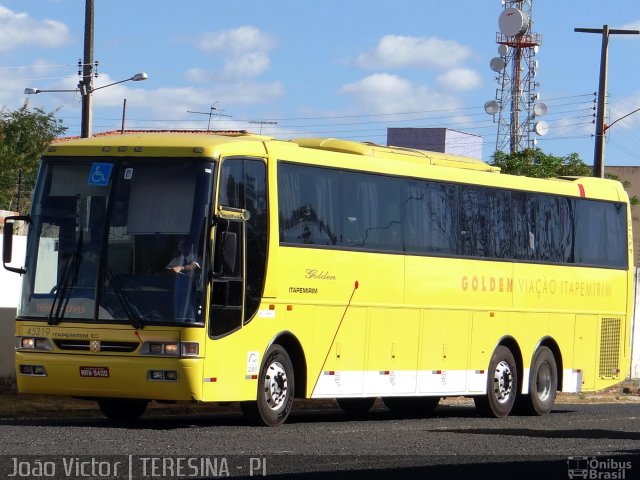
column 355, row 406
column 122, row 409
column 502, row 385
column 543, row 384
column 275, row 388
column 411, row 405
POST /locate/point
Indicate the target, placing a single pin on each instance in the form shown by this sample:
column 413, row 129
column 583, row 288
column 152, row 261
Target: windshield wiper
column 63, row 291
column 129, row 308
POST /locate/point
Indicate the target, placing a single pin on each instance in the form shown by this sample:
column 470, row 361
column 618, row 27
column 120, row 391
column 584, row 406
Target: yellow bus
column 240, row 268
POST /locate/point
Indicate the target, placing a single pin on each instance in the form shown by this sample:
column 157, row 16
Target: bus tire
column 502, row 385
column 411, row 406
column 275, row 388
column 543, row 384
column 355, row 406
column 122, row 409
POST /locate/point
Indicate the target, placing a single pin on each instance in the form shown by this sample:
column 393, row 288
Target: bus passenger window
column 309, row 205
column 431, row 223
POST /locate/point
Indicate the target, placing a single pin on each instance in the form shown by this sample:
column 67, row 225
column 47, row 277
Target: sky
column 326, row 68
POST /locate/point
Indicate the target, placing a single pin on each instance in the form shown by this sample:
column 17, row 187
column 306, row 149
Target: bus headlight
column 33, row 343
column 171, row 349
column 161, row 348
column 190, row 349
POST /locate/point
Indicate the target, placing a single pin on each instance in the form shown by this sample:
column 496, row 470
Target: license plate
column 100, row 372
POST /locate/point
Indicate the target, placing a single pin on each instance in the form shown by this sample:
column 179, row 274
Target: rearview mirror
column 7, row 242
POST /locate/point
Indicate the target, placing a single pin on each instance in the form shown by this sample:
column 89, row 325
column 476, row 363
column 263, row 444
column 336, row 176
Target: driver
column 185, row 260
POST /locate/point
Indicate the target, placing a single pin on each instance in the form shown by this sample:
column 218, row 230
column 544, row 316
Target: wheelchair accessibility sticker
column 99, row 174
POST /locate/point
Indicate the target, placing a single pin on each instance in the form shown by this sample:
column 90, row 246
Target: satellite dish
column 513, row 22
column 541, row 128
column 492, row 107
column 540, row 108
column 503, row 50
column 497, row 64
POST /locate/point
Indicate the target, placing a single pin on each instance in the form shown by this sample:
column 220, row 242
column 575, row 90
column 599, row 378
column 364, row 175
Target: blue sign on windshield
column 99, row 174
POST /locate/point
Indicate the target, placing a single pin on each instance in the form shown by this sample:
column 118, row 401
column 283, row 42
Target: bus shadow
column 581, row 434
column 157, row 419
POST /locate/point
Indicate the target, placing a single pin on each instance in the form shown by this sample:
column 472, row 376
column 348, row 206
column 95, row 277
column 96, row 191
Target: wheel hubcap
column 275, row 386
column 502, row 382
column 543, row 382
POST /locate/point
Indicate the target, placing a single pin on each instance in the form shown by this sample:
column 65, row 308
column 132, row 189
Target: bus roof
column 393, row 153
column 184, row 139
column 157, row 143
column 213, row 144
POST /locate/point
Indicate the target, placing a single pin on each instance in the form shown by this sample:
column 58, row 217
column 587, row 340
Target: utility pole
column 598, row 151
column 124, row 114
column 86, row 84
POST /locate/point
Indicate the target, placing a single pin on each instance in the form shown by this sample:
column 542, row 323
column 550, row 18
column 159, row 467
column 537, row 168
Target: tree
column 536, row 163
column 24, row 135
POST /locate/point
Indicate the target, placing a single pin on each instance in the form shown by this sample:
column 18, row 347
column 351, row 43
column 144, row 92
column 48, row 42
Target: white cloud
column 394, row 51
column 20, row 29
column 385, row 93
column 243, row 49
column 198, row 75
column 460, row 79
column 168, row 108
column 234, row 41
column 11, row 88
column 173, row 103
column 247, row 65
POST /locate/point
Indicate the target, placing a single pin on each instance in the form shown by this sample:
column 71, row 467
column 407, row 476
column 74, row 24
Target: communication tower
column 516, row 105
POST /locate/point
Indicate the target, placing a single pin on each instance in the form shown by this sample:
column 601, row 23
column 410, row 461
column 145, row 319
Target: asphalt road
column 324, row 443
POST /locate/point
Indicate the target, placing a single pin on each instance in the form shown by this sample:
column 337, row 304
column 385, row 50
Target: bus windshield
column 118, row 242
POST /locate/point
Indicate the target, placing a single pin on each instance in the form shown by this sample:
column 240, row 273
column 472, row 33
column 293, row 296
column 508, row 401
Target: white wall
column 10, row 286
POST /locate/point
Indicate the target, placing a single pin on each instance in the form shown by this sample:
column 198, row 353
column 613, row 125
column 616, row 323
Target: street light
column 138, row 77
column 607, row 127
column 86, row 92
column 34, row 91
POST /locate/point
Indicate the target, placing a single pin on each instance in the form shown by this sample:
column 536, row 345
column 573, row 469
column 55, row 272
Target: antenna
column 262, row 122
column 516, row 104
column 211, row 113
